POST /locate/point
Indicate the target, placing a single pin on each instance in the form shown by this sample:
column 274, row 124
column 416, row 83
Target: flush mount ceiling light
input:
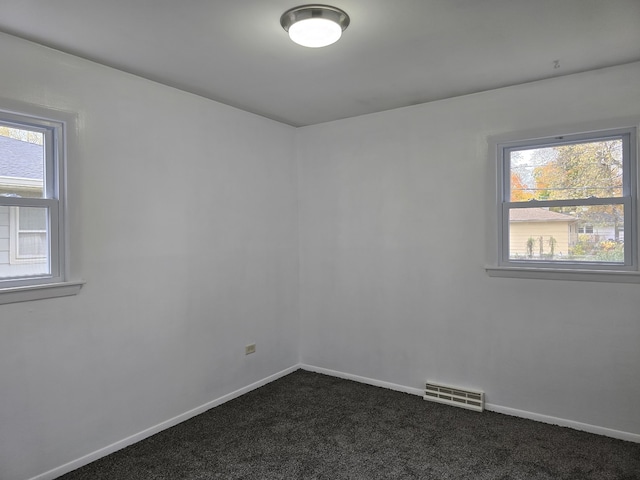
column 314, row 25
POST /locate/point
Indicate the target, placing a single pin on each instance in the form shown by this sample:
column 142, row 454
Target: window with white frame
column 31, row 205
column 566, row 202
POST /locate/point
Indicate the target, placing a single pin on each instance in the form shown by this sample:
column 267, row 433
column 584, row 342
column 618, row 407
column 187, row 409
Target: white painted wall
column 393, row 239
column 184, row 220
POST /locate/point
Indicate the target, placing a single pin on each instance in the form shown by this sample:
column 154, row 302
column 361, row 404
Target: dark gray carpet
column 312, row 426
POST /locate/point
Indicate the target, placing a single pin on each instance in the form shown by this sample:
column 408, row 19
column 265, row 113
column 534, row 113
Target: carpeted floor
column 312, row 426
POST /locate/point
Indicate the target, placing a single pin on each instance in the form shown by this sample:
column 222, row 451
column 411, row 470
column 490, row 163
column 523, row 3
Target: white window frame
column 54, row 126
column 500, row 265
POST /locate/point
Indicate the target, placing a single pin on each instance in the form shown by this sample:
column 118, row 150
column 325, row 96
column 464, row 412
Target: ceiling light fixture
column 314, row 25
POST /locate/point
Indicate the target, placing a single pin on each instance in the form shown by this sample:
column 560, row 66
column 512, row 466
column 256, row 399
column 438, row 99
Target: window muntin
column 31, row 234
column 553, row 191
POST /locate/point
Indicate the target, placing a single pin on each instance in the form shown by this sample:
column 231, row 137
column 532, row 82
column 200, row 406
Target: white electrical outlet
column 250, row 349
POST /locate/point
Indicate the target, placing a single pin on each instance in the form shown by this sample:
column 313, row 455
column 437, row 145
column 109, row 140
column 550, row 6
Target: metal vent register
column 458, row 397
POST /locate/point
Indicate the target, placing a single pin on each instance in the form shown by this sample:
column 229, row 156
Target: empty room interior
column 224, row 207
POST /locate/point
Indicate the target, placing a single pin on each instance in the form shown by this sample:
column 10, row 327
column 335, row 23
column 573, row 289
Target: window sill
column 610, row 276
column 39, row 292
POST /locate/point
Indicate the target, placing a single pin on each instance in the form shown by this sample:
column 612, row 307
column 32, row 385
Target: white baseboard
column 368, row 381
column 114, row 447
column 585, row 427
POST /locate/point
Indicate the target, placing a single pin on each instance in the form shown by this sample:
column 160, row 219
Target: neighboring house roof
column 538, row 215
column 20, row 159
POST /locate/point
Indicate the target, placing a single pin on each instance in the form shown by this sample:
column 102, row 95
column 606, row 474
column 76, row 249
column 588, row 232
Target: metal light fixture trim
column 314, row 25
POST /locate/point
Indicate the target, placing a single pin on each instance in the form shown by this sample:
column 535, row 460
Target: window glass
column 31, row 226
column 564, row 172
column 553, row 234
column 24, row 245
column 22, row 163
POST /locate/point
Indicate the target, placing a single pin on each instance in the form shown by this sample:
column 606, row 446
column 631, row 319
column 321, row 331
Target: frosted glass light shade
column 315, row 32
column 314, row 25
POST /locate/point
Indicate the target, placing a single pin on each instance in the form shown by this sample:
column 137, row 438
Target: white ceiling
column 394, row 53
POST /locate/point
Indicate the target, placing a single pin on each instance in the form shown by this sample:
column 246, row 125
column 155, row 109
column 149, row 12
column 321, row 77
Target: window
column 565, row 203
column 32, row 235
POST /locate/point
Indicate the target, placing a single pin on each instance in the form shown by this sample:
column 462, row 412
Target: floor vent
column 455, row 396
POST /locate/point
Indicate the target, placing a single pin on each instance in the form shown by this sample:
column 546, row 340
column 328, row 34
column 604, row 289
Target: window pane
column 32, row 244
column 558, row 234
column 24, row 242
column 22, row 162
column 32, row 218
column 564, row 172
